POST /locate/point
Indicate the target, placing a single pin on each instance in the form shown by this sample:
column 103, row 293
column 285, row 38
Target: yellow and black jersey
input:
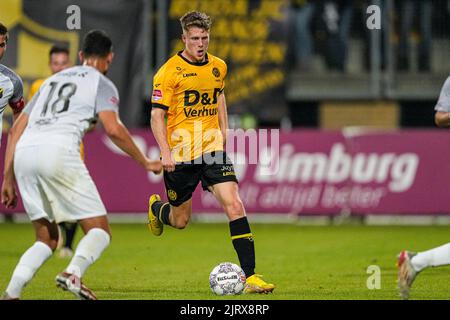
column 190, row 93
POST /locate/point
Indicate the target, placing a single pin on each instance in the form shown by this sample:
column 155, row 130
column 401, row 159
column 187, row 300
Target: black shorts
column 211, row 169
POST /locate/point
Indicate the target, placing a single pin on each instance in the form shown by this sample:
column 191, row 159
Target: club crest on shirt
column 216, row 72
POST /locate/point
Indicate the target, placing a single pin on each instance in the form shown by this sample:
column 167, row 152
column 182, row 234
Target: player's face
column 196, row 42
column 59, row 61
column 2, row 45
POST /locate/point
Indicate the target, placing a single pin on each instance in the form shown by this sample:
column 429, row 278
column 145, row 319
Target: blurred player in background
column 11, row 87
column 43, row 155
column 411, row 263
column 58, row 61
column 189, row 90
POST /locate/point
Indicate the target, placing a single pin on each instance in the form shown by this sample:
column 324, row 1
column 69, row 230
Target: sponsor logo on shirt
column 157, row 95
column 186, row 75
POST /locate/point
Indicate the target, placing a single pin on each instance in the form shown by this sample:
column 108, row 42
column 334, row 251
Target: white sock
column 88, row 251
column 432, row 258
column 28, row 265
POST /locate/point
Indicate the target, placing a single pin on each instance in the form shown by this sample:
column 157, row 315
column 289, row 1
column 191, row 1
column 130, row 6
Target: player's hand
column 154, row 165
column 168, row 162
column 9, row 195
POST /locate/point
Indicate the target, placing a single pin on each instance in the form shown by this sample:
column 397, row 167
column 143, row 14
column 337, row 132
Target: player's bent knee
column 95, row 223
column 235, row 209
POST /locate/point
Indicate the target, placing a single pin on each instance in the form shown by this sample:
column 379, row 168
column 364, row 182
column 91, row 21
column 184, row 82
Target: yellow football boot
column 255, row 284
column 155, row 226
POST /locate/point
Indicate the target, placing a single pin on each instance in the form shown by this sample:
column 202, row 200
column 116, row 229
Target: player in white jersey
column 43, row 153
column 411, row 263
column 11, row 87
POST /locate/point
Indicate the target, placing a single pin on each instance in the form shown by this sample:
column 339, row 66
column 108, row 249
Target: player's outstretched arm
column 119, row 134
column 9, row 195
column 160, row 132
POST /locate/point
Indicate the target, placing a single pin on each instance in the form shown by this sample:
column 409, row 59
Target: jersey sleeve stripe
column 160, row 106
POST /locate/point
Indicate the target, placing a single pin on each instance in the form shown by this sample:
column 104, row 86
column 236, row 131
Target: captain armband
column 17, row 106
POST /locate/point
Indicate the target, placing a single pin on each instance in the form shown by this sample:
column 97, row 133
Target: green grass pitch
column 305, row 262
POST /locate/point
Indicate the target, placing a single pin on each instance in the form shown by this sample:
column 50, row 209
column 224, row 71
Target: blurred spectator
column 304, row 42
column 409, row 10
column 336, row 16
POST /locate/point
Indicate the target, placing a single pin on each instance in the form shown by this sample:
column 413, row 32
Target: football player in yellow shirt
column 189, row 90
column 58, row 61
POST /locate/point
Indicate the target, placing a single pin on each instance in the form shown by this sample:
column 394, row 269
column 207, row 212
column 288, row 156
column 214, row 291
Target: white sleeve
column 443, row 103
column 107, row 96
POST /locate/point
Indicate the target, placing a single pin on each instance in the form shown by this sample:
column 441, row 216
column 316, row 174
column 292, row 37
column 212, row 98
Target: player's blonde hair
column 195, row 19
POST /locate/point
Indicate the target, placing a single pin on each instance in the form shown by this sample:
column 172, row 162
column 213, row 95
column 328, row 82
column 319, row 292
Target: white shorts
column 55, row 184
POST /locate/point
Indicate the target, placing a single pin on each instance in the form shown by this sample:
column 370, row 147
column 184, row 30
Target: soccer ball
column 227, row 279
